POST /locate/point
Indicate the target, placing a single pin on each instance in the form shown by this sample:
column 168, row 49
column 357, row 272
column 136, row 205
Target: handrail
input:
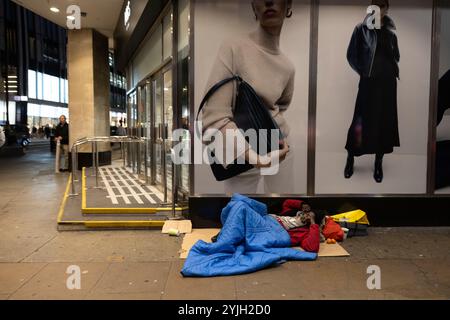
column 108, row 139
column 94, row 140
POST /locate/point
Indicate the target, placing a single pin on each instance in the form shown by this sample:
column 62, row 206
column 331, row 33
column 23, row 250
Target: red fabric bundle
column 289, row 205
column 332, row 230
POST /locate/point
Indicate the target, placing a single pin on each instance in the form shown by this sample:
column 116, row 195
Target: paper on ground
column 184, row 226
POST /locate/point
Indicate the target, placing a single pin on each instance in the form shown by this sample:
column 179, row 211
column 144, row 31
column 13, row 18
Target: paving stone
column 180, row 288
column 51, row 282
column 15, row 275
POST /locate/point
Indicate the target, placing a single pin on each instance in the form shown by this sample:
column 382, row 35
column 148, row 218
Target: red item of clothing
column 307, row 237
column 289, row 205
column 332, row 230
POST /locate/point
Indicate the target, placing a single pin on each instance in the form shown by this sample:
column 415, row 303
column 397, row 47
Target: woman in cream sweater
column 258, row 60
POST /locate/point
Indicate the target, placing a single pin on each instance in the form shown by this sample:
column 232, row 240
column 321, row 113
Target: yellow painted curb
column 128, row 211
column 63, row 203
column 83, row 188
column 119, row 211
column 123, row 224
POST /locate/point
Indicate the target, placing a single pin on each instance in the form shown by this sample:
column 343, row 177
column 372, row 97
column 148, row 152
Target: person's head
column 62, row 119
column 384, row 6
column 305, row 207
column 271, row 13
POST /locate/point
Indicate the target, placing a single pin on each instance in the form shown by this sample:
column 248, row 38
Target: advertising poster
column 373, row 98
column 231, row 38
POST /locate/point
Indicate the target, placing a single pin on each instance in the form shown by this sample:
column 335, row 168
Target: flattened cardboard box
column 326, row 250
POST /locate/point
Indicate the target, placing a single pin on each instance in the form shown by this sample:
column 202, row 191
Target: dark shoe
column 378, row 174
column 348, row 172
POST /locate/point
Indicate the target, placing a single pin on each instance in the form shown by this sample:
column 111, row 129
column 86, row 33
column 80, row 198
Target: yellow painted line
column 176, row 209
column 83, row 189
column 129, row 210
column 119, row 211
column 63, row 223
column 123, row 224
column 63, row 203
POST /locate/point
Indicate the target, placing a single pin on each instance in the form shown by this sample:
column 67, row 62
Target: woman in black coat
column 374, row 55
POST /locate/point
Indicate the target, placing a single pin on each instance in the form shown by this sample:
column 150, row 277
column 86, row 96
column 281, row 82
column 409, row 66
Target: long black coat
column 374, row 128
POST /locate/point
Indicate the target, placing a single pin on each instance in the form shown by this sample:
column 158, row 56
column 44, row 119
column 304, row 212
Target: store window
column 183, row 83
column 42, row 86
column 167, row 36
column 41, row 115
column 32, row 90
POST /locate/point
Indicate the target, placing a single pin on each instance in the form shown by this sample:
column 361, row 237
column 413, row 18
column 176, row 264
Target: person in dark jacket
column 62, row 134
column 374, row 55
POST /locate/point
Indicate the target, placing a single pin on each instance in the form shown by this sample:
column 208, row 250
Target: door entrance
column 154, row 120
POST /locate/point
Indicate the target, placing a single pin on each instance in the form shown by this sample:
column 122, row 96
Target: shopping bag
column 356, row 216
column 355, row 221
column 332, row 230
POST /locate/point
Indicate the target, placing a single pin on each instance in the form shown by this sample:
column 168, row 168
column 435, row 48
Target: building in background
column 118, row 93
column 33, row 64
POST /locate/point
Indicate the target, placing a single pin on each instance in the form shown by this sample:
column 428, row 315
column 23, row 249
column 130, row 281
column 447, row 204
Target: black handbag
column 249, row 113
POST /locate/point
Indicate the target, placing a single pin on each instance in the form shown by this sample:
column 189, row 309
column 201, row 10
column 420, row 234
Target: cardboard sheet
column 326, row 250
column 184, row 226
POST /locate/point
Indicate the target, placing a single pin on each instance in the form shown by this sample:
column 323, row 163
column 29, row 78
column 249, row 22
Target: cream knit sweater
column 258, row 60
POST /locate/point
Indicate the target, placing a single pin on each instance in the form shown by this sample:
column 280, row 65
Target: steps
column 121, row 201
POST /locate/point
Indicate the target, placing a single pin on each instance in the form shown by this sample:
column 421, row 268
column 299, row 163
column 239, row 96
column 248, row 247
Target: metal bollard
column 122, row 147
column 145, row 162
column 93, row 158
column 77, row 158
column 96, row 164
column 58, row 156
column 133, row 157
column 138, row 157
column 174, row 185
column 74, row 193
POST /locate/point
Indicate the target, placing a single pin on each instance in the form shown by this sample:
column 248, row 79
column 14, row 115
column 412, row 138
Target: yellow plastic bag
column 356, row 216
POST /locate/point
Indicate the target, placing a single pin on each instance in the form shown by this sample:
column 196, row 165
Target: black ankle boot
column 378, row 173
column 348, row 171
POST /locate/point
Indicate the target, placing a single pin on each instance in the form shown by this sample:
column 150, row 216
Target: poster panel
column 373, row 98
column 231, row 37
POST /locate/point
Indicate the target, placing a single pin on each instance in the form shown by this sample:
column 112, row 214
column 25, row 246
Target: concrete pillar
column 88, row 76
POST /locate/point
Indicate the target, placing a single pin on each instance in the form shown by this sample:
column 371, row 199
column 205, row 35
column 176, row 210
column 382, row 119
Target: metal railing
column 128, row 151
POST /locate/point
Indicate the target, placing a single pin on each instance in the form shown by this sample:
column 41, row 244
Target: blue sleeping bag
column 250, row 240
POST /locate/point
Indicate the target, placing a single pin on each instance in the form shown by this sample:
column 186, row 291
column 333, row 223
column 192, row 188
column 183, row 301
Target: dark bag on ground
column 249, row 113
column 355, row 229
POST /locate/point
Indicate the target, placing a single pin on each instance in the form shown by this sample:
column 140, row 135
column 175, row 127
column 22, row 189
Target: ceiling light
column 54, row 9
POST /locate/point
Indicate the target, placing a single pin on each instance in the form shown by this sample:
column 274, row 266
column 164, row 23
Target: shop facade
column 168, row 50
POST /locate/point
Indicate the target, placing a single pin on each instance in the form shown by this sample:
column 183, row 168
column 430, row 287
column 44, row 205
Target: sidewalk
column 34, row 256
